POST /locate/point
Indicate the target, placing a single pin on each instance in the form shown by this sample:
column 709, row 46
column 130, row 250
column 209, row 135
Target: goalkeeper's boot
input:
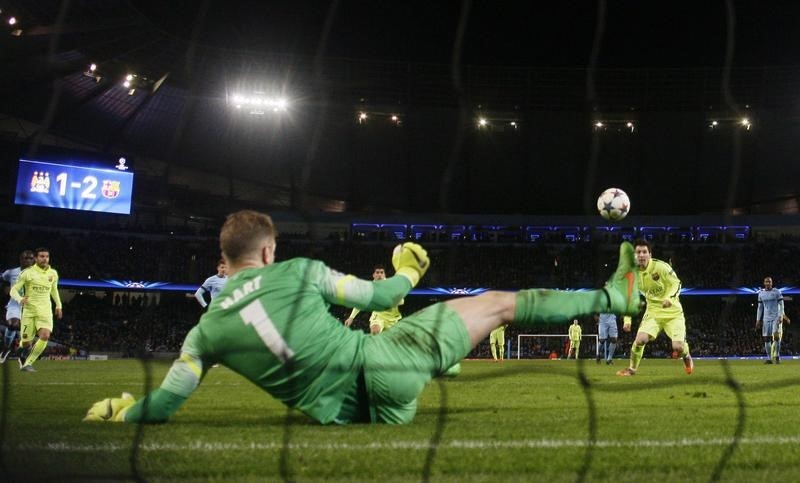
column 688, row 365
column 626, row 372
column 623, row 286
column 27, row 369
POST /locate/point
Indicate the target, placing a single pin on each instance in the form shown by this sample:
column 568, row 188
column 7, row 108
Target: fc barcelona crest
column 110, row 189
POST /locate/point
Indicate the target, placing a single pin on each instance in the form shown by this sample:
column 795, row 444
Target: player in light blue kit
column 769, row 316
column 607, row 331
column 213, row 285
column 13, row 309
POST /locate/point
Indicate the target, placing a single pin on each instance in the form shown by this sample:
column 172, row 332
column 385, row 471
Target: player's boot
column 688, row 365
column 768, row 361
column 626, row 372
column 777, row 360
column 609, row 362
column 623, row 286
column 27, row 369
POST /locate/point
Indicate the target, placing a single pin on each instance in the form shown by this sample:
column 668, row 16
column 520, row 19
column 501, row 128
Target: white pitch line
column 203, row 446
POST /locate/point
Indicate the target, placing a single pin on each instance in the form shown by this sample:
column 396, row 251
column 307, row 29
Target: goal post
column 526, row 344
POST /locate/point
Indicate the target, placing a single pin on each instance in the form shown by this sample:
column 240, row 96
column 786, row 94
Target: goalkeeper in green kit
column 272, row 326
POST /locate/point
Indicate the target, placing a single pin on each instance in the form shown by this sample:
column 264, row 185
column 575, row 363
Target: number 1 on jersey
column 255, row 315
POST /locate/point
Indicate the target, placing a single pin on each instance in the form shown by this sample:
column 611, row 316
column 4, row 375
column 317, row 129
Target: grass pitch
column 516, row 421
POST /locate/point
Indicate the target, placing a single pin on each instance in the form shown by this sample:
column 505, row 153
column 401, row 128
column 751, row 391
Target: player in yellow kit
column 661, row 288
column 497, row 343
column 575, row 333
column 379, row 320
column 39, row 283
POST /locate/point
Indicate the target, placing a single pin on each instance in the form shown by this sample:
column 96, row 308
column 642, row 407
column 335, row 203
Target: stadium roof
column 333, row 58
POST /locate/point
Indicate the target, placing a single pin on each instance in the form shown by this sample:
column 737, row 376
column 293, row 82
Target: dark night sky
column 186, row 121
column 636, row 33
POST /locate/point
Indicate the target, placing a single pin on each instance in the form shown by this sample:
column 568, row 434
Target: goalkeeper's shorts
column 398, row 363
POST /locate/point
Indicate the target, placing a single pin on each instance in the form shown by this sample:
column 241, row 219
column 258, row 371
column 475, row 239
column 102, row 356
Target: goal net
column 554, row 346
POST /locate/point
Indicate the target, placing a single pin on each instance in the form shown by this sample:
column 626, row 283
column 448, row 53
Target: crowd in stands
column 135, row 324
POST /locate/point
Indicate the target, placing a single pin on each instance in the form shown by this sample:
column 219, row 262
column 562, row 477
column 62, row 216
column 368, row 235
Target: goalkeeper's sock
column 637, row 351
column 37, row 350
column 542, row 306
column 494, row 351
column 611, row 348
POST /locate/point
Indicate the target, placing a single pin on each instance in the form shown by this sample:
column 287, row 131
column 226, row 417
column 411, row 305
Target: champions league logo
column 457, row 290
column 121, row 165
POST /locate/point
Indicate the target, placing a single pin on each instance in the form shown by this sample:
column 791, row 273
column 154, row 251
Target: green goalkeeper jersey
column 39, row 285
column 272, row 325
column 659, row 282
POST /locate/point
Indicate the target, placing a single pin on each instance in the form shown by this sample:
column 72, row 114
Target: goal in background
column 540, row 346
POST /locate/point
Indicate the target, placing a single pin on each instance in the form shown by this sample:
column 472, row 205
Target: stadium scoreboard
column 75, row 185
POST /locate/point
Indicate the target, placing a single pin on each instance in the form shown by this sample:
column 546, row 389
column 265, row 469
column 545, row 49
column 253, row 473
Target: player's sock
column 611, row 348
column 776, row 349
column 37, row 350
column 685, row 351
column 502, row 353
column 637, row 352
column 622, row 288
column 23, row 352
column 3, row 342
column 768, row 349
column 9, row 338
column 494, row 349
column 542, row 306
column 11, row 335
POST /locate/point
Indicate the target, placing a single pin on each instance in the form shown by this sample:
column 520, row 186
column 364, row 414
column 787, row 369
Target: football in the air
column 613, row 204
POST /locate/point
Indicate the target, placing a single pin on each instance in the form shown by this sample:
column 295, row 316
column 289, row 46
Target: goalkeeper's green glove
column 411, row 261
column 110, row 409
